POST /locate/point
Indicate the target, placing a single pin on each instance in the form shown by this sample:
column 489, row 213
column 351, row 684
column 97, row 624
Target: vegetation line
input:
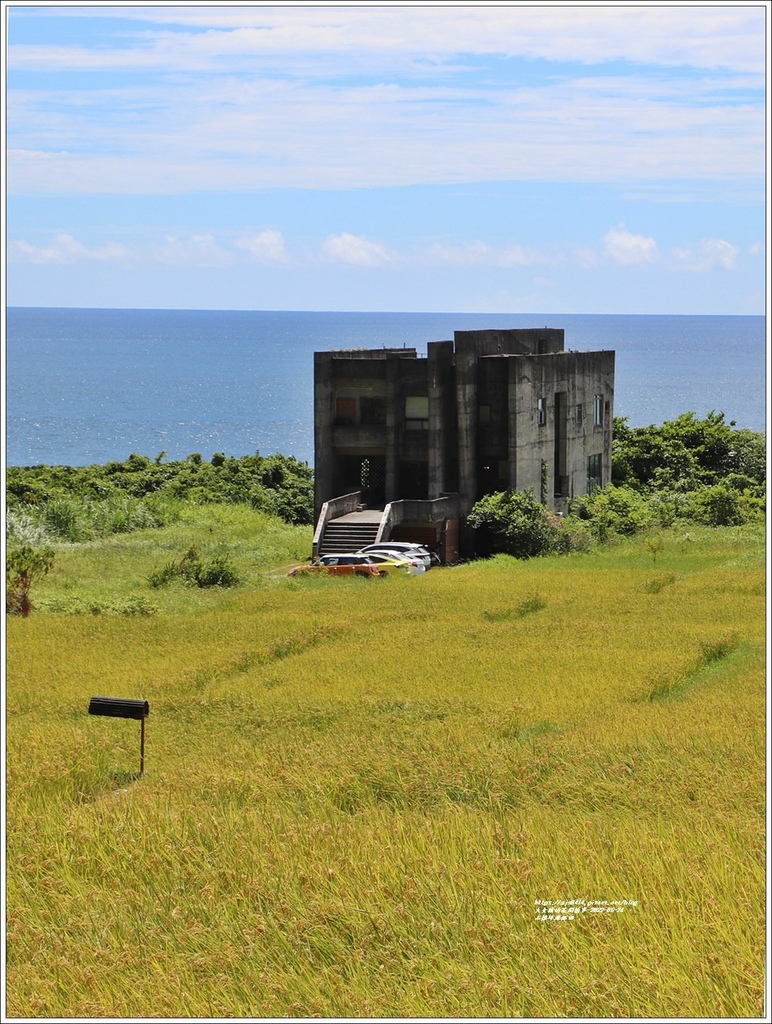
column 704, row 669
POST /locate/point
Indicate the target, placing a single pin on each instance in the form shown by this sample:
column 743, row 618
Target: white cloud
column 249, row 97
column 65, row 250
column 265, row 247
column 711, row 254
column 357, row 251
column 695, row 35
column 196, row 251
column 478, row 254
column 628, row 249
column 236, row 134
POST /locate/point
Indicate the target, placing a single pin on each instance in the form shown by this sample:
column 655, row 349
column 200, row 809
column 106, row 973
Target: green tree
column 24, row 565
column 686, row 453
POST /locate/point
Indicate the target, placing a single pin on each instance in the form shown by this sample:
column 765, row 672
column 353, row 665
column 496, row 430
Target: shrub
column 23, row 565
column 616, row 510
column 514, row 523
column 121, row 514
column 21, row 528
column 64, row 517
column 278, row 484
column 725, row 506
column 218, row 572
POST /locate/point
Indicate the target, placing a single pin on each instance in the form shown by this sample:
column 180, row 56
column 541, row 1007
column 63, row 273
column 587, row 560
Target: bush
column 277, row 484
column 65, row 518
column 514, row 523
column 22, row 528
column 218, row 572
column 617, row 510
column 121, row 514
column 23, row 565
column 724, row 506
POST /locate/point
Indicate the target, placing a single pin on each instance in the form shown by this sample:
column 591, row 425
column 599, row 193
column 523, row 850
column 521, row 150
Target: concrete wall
column 579, row 377
column 515, row 341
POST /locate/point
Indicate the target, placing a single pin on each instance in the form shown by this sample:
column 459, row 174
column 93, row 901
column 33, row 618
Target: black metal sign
column 118, row 707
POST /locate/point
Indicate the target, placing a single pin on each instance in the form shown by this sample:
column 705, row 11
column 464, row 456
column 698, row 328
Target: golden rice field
column 383, row 798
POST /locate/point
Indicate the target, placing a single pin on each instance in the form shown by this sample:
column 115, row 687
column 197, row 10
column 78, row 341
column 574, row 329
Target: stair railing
column 331, row 510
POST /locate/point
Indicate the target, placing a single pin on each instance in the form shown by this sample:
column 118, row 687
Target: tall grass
column 358, row 794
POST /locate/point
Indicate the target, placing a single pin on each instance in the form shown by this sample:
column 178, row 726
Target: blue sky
column 498, row 158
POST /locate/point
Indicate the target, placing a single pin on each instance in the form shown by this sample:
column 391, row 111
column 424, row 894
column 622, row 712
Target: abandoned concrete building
column 405, row 444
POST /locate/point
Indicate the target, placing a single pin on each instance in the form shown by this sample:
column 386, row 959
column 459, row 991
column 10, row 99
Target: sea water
column 93, row 385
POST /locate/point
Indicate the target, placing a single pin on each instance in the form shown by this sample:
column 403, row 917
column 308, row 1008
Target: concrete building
column 410, row 443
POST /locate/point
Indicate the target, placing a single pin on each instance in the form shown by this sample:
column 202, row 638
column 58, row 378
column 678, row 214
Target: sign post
column 118, row 707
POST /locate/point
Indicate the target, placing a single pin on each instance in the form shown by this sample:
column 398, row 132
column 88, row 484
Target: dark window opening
column 488, row 480
column 560, row 468
column 414, row 480
column 372, row 411
column 594, row 473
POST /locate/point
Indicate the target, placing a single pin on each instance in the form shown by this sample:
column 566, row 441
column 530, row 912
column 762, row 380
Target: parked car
column 396, row 561
column 341, row 565
column 405, row 548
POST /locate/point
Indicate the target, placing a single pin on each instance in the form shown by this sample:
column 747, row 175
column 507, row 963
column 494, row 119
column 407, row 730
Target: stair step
column 341, row 537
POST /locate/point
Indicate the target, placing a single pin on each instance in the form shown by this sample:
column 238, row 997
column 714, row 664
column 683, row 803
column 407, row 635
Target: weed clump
column 135, row 605
column 658, row 583
column 711, row 652
column 532, row 603
column 191, row 570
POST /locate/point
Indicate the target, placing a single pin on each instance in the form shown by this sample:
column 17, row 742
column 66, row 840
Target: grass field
column 377, row 798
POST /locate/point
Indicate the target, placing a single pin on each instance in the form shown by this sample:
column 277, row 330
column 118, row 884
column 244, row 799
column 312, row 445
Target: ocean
column 89, row 386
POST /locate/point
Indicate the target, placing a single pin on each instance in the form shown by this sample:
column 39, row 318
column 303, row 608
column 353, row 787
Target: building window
column 372, row 411
column 579, row 415
column 345, row 412
column 594, row 473
column 417, row 412
column 598, row 414
column 541, row 411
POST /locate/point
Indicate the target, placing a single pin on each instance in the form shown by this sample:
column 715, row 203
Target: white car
column 403, row 548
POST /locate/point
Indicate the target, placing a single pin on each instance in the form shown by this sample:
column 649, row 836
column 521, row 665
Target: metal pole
column 142, row 747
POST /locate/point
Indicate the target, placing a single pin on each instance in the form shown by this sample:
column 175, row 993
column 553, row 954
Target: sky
column 489, row 158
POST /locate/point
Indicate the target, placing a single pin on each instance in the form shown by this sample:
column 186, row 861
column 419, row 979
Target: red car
column 341, row 565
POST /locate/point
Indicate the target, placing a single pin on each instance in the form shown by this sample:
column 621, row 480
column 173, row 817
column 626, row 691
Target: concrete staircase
column 350, row 532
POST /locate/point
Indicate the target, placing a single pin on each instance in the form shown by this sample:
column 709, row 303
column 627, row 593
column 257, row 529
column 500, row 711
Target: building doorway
column 414, row 480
